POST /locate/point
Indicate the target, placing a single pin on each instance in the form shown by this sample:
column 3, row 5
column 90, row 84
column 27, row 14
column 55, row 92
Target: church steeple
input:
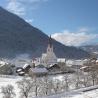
column 49, row 57
column 50, row 45
column 50, row 41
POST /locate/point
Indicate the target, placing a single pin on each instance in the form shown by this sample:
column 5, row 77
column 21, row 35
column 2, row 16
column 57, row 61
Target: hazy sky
column 72, row 22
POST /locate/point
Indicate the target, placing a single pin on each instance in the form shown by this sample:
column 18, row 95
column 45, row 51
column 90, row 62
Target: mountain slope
column 18, row 37
column 90, row 48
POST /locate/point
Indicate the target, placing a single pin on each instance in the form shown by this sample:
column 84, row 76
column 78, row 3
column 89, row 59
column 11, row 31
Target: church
column 48, row 58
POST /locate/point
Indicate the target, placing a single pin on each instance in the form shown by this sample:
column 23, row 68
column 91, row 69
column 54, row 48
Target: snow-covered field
column 5, row 80
column 73, row 94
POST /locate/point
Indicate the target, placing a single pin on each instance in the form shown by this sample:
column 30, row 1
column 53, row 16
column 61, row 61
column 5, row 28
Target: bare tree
column 92, row 68
column 85, row 80
column 45, row 85
column 66, row 79
column 77, row 78
column 37, row 84
column 56, row 86
column 93, row 75
column 8, row 91
column 26, row 86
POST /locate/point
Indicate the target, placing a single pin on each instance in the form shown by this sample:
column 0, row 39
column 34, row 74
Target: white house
column 74, row 62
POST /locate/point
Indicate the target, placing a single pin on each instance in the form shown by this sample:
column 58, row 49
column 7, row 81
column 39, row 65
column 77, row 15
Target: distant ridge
column 19, row 37
column 90, row 48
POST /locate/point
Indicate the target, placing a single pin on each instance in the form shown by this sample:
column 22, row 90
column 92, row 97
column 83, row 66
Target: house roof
column 25, row 65
column 39, row 70
column 19, row 70
column 21, row 73
column 54, row 66
column 40, row 66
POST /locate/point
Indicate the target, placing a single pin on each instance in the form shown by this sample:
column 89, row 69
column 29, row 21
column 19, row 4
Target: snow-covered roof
column 61, row 60
column 74, row 62
column 19, row 70
column 51, row 65
column 39, row 70
column 83, row 67
column 96, row 60
column 25, row 65
column 3, row 63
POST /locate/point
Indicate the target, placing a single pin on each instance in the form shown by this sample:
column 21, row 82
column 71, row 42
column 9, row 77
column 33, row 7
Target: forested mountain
column 19, row 37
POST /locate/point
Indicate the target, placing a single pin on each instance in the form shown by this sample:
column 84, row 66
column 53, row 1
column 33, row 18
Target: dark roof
column 54, row 66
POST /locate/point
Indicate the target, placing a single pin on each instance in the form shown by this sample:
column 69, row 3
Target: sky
column 71, row 22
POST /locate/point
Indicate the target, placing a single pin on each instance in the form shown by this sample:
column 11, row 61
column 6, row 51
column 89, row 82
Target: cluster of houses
column 48, row 63
column 32, row 70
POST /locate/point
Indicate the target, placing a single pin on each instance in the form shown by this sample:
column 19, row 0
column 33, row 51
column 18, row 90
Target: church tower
column 50, row 45
column 49, row 57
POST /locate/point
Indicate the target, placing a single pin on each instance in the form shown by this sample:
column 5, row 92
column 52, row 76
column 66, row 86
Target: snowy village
column 48, row 49
column 49, row 75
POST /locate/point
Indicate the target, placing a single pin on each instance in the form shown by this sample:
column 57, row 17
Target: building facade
column 49, row 57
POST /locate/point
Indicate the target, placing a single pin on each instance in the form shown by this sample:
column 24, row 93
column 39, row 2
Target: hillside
column 19, row 37
column 90, row 48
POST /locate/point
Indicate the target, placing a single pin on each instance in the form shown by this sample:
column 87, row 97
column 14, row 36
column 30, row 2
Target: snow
column 61, row 60
column 58, row 78
column 19, row 70
column 25, row 65
column 97, row 61
column 74, row 62
column 79, row 93
column 74, row 94
column 39, row 70
column 2, row 63
column 5, row 80
column 83, row 67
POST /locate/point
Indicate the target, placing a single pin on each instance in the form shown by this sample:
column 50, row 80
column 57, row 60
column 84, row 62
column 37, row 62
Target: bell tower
column 50, row 45
column 49, row 57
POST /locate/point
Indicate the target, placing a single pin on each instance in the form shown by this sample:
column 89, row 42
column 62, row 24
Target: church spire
column 50, row 45
column 50, row 42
